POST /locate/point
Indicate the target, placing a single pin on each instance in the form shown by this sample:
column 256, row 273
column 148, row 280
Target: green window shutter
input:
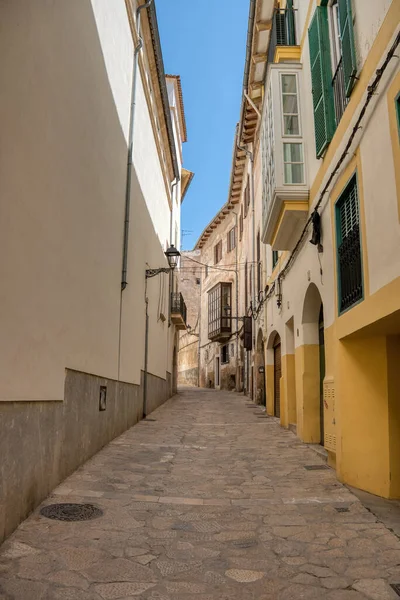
column 348, row 46
column 321, row 77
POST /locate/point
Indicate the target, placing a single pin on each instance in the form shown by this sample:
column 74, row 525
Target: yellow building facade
column 332, row 176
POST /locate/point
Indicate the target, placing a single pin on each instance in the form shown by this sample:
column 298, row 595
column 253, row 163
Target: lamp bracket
column 153, row 272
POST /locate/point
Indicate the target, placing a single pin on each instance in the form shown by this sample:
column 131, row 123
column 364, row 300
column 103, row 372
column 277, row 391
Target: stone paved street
column 210, row 500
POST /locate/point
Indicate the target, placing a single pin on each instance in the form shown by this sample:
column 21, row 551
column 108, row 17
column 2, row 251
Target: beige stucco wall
column 62, row 194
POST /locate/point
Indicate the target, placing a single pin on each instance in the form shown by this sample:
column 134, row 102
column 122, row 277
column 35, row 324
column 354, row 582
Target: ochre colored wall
column 308, row 393
column 362, row 383
column 289, row 377
column 393, row 350
column 270, row 389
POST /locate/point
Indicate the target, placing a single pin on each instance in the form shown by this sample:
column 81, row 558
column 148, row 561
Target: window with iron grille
column 350, row 278
column 333, row 66
column 219, row 310
column 241, row 223
column 225, row 354
column 231, row 239
column 218, row 252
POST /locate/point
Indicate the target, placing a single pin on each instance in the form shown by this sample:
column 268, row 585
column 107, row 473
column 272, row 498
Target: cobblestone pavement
column 211, row 500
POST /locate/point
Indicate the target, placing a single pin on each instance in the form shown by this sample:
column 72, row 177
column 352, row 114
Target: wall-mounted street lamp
column 172, row 255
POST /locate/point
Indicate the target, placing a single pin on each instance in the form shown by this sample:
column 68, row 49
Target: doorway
column 217, row 374
column 260, row 372
column 277, row 375
column 321, row 373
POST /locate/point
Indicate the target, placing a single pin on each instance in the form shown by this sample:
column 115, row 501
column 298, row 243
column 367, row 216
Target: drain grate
column 396, row 588
column 149, row 420
column 316, row 467
column 342, row 509
column 71, row 512
column 263, row 417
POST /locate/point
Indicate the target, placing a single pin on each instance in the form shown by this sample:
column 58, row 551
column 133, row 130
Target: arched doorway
column 277, row 375
column 260, row 373
column 311, row 411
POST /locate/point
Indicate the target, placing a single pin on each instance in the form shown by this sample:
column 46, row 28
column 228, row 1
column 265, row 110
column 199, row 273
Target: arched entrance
column 277, row 375
column 260, row 366
column 311, row 353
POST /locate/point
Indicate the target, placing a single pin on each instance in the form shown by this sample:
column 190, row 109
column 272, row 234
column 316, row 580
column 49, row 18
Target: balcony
column 285, row 176
column 219, row 312
column 283, row 46
column 178, row 310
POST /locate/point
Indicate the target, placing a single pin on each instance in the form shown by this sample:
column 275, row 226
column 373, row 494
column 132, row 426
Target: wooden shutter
column 348, row 46
column 321, row 77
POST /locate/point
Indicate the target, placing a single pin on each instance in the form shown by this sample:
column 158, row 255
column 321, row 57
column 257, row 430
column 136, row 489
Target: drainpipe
column 253, row 279
column 199, row 349
column 139, row 46
column 237, row 305
column 171, row 241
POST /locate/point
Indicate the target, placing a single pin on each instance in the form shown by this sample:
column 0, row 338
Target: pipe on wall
column 128, row 188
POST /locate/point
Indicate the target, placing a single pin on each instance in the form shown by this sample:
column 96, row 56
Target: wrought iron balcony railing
column 283, row 30
column 339, row 92
column 178, row 310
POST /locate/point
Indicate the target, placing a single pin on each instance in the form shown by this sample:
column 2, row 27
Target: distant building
column 190, row 286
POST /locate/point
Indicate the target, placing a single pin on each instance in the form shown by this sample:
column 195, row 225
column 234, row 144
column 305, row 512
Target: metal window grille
column 349, row 247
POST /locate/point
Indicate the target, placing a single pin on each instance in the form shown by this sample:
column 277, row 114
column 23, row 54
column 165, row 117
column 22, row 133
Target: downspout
column 171, row 241
column 199, row 349
column 253, row 279
column 139, row 46
column 237, row 306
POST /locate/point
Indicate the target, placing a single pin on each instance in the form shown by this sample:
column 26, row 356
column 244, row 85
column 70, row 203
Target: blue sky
column 204, row 41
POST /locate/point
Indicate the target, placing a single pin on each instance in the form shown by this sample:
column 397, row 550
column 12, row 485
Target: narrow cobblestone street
column 207, row 499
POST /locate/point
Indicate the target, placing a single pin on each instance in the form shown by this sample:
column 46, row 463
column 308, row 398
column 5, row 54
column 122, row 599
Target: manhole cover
column 71, row 512
column 396, row 587
column 316, row 467
column 341, row 509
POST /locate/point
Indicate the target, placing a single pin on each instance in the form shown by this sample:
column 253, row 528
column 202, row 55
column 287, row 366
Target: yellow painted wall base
column 308, row 393
column 288, row 391
column 369, row 415
column 270, row 389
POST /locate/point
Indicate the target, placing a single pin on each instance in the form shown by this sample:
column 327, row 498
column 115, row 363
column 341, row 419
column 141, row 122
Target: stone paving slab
column 206, row 502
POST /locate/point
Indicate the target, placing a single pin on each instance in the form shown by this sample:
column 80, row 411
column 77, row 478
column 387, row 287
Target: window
column 205, row 271
column 293, row 163
column 231, row 239
column 350, row 280
column 290, row 105
column 275, row 258
column 241, row 222
column 247, row 197
column 225, row 354
column 218, row 252
column 219, row 310
column 333, row 66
